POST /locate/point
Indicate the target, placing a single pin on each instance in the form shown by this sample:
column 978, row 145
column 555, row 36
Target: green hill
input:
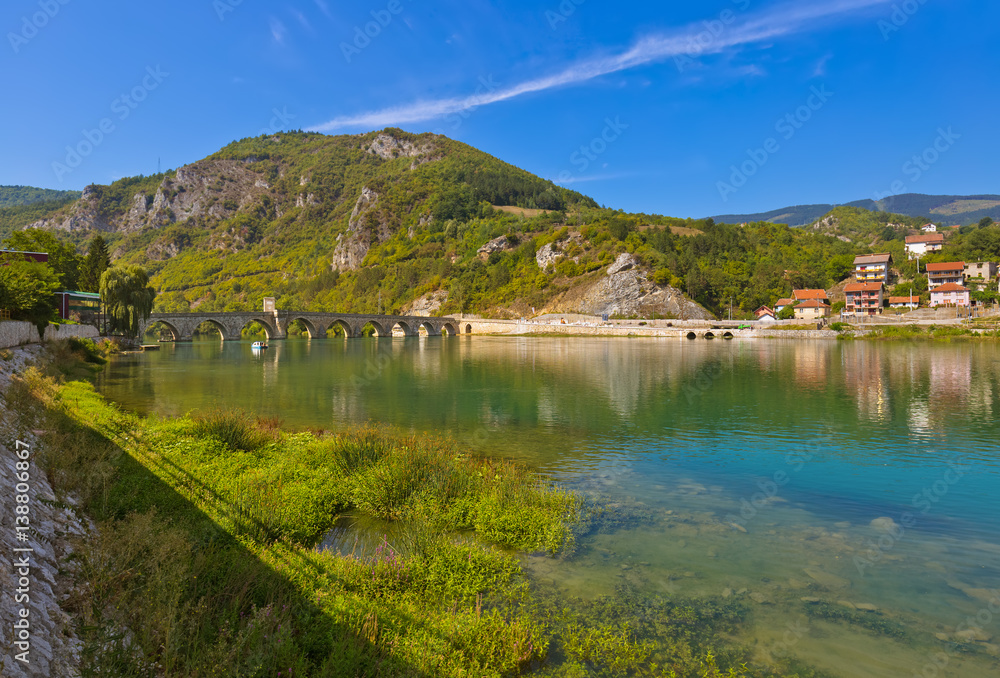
column 394, row 221
column 11, row 196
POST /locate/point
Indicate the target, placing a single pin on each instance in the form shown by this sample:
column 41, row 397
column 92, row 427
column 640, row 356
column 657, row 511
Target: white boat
column 258, row 345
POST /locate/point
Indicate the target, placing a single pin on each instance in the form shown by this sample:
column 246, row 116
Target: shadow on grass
column 164, row 589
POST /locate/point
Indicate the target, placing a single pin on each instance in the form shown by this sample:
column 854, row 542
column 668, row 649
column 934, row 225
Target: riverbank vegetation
column 942, row 333
column 205, row 560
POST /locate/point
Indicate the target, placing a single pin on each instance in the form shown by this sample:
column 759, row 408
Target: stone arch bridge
column 230, row 325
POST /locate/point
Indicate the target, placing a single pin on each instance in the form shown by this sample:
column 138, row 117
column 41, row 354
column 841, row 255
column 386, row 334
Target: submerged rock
column 826, row 579
column 884, row 524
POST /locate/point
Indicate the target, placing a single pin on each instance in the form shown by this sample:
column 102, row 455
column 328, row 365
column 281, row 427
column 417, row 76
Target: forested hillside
column 387, row 220
column 26, row 195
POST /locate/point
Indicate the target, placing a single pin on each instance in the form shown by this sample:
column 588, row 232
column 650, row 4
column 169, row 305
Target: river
column 861, row 474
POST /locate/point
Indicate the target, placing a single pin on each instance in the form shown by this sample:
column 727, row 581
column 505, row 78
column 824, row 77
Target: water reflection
column 684, row 435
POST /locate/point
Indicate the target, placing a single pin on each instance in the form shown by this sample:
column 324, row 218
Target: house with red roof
column 812, row 309
column 864, row 298
column 919, row 245
column 766, row 314
column 945, row 273
column 904, row 302
column 950, row 294
column 781, row 304
column 810, row 295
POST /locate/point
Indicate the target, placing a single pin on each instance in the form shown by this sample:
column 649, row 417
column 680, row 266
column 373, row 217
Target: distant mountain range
column 947, row 210
column 11, row 196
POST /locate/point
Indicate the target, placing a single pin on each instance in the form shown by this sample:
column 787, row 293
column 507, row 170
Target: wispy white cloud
column 821, row 66
column 566, row 181
column 781, row 21
column 302, row 20
column 278, row 31
column 325, row 8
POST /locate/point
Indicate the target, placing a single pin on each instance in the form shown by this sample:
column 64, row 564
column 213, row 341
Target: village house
column 766, row 314
column 981, row 272
column 919, row 245
column 812, row 309
column 872, row 268
column 864, row 298
column 810, row 295
column 904, row 302
column 950, row 294
column 929, row 228
column 945, row 273
column 781, row 304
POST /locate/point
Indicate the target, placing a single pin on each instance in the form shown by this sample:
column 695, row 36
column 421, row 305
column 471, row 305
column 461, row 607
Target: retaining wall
column 56, row 332
column 17, row 333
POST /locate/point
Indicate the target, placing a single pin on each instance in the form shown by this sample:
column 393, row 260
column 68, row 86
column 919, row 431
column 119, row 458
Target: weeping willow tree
column 128, row 299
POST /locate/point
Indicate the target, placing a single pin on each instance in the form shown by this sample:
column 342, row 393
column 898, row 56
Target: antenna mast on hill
column 157, row 165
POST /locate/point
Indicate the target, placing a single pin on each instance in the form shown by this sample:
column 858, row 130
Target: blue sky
column 686, row 109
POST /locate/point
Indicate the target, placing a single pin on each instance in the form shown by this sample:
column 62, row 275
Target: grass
column 205, row 563
column 942, row 333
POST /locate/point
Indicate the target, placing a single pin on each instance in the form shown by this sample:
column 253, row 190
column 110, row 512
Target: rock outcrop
column 625, row 290
column 388, row 147
column 216, row 188
column 502, row 244
column 427, row 305
column 551, row 252
column 366, row 226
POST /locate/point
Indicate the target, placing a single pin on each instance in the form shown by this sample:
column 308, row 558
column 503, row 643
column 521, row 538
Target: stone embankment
column 39, row 587
column 579, row 325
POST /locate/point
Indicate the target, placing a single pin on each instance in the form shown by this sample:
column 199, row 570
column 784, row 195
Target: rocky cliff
column 625, row 290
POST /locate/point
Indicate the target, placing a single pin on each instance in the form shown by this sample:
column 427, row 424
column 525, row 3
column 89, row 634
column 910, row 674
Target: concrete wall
column 16, row 333
column 56, row 332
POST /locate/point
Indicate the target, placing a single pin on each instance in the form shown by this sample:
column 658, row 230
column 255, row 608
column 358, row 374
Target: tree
column 128, row 298
column 27, row 290
column 985, row 222
column 63, row 259
column 787, row 313
column 94, row 265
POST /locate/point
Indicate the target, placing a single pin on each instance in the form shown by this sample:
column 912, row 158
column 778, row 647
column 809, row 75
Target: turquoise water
column 759, row 466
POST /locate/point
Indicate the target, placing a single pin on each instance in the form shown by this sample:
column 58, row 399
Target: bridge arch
column 380, row 330
column 216, row 324
column 692, row 335
column 268, row 328
column 428, row 328
column 314, row 330
column 468, row 329
column 342, row 326
column 709, row 335
column 174, row 332
column 449, row 329
column 405, row 327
